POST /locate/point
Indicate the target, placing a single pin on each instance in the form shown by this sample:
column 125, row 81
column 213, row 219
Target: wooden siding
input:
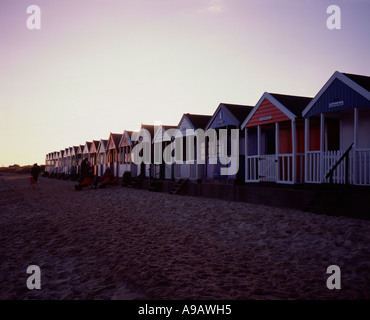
column 223, row 119
column 267, row 109
column 125, row 141
column 346, row 97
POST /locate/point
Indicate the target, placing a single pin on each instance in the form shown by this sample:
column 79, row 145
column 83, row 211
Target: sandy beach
column 124, row 243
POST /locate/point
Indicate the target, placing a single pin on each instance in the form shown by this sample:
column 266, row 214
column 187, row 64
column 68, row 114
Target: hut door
column 332, row 134
column 267, row 161
column 267, row 167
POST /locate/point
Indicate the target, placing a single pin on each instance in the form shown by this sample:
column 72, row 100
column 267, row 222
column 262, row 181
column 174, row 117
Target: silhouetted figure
column 35, row 171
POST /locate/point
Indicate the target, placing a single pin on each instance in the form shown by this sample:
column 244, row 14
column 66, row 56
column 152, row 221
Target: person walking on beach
column 35, row 171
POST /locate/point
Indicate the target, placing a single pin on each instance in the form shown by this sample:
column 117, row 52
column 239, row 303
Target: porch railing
column 267, row 168
column 252, row 169
column 285, row 168
column 340, row 169
column 313, row 167
column 362, row 166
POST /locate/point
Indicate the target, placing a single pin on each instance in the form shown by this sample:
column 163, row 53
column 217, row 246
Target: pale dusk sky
column 97, row 66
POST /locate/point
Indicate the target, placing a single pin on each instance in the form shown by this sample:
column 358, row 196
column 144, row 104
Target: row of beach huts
column 282, row 139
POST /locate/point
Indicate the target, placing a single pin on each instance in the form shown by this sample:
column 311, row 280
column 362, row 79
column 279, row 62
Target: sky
column 96, row 67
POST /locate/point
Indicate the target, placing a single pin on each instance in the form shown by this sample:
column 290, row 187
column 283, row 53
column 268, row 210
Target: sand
column 123, row 243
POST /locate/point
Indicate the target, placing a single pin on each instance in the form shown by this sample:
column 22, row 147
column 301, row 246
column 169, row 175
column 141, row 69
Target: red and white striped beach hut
column 274, row 144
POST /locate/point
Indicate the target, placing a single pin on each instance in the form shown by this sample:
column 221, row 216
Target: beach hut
column 274, row 133
column 102, row 156
column 86, row 151
column 112, row 152
column 69, row 161
column 337, row 131
column 74, row 160
column 190, row 168
column 93, row 156
column 143, row 138
column 162, row 138
column 61, row 160
column 229, row 117
column 80, row 150
column 52, row 162
column 125, row 154
column 47, row 165
column 55, row 162
column 65, row 161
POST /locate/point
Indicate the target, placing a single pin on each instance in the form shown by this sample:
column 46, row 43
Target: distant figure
column 35, row 171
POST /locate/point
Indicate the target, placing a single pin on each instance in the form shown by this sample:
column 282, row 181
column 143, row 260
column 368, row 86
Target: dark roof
column 116, row 138
column 199, row 121
column 295, row 104
column 239, row 111
column 104, row 141
column 96, row 143
column 362, row 81
column 168, row 127
column 150, row 128
column 88, row 145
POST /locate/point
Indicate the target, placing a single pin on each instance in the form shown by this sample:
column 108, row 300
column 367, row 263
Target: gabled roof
column 81, row 148
column 291, row 106
column 160, row 133
column 102, row 145
column 125, row 136
column 237, row 112
column 199, row 121
column 74, row 150
column 294, row 104
column 114, row 138
column 87, row 147
column 149, row 128
column 363, row 81
column 359, row 83
column 240, row 112
column 94, row 146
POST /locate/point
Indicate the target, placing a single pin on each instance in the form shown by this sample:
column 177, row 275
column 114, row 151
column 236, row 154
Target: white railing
column 285, row 168
column 252, row 168
column 313, row 167
column 339, row 174
column 267, row 167
column 318, row 168
column 362, row 174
